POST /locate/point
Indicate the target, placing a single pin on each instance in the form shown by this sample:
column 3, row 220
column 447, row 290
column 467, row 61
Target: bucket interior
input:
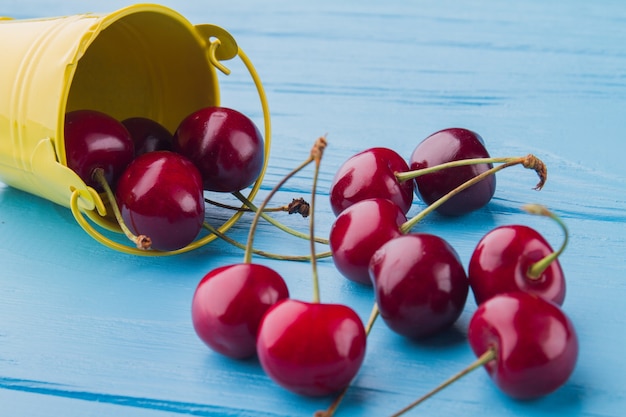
column 145, row 63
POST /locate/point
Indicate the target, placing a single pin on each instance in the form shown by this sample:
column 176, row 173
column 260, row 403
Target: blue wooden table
column 86, row 331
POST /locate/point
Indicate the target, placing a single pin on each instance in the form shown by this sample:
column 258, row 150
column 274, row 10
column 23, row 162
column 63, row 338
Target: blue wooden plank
column 87, row 331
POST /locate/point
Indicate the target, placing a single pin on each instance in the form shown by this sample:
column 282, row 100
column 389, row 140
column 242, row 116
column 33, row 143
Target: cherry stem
column 489, row 355
column 273, row 221
column 265, row 254
column 373, row 316
column 538, row 268
column 247, row 257
column 141, row 241
column 528, row 161
column 409, row 175
column 297, row 205
column 316, row 153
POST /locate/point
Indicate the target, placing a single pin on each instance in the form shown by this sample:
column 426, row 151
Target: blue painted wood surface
column 85, row 331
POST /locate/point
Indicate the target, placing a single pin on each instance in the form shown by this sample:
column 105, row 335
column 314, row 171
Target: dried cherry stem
column 265, row 254
column 249, row 204
column 316, row 153
column 409, row 175
column 141, row 241
column 536, row 269
column 529, row 161
column 297, row 205
column 259, row 211
column 489, row 355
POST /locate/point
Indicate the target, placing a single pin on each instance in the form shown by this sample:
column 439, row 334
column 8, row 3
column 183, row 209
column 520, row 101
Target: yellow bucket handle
column 221, row 46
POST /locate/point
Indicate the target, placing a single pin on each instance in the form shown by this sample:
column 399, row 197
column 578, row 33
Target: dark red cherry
column 535, row 343
column 311, row 349
column 160, row 195
column 419, row 283
column 225, row 145
column 228, row 305
column 96, row 140
column 502, row 262
column 148, row 135
column 370, row 174
column 359, row 231
column 450, row 145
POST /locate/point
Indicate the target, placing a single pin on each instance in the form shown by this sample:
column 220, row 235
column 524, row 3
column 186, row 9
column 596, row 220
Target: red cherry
column 359, row 231
column 517, row 258
column 160, row 195
column 370, row 174
column 228, row 305
column 419, row 283
column 450, row 145
column 96, row 140
column 534, row 341
column 502, row 260
column 225, row 145
column 148, row 135
column 311, row 349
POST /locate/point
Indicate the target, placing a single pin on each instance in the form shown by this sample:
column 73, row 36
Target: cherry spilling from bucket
column 96, row 140
column 224, row 144
column 160, row 195
column 148, row 135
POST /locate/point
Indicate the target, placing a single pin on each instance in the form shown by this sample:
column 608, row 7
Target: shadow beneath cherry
column 451, row 337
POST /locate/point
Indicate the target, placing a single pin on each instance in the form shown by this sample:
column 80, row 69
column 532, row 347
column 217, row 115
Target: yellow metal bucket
column 143, row 60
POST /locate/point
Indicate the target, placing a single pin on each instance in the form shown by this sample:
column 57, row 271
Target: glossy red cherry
column 535, row 343
column 96, row 140
column 228, row 305
column 359, row 231
column 224, row 144
column 148, row 135
column 311, row 349
column 503, row 262
column 450, row 145
column 160, row 195
column 419, row 283
column 370, row 174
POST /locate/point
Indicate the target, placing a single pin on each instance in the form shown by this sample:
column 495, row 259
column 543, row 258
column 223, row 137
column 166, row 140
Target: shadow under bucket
column 143, row 60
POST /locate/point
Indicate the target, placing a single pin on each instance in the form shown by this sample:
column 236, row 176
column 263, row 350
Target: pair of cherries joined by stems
column 242, row 310
column 158, row 179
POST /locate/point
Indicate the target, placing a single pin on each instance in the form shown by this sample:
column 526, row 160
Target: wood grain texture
column 88, row 332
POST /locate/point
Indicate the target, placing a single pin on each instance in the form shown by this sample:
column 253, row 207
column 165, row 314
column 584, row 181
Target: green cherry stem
column 528, row 161
column 141, row 241
column 316, row 153
column 265, row 254
column 273, row 221
column 536, row 269
column 409, row 175
column 488, row 356
column 259, row 211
